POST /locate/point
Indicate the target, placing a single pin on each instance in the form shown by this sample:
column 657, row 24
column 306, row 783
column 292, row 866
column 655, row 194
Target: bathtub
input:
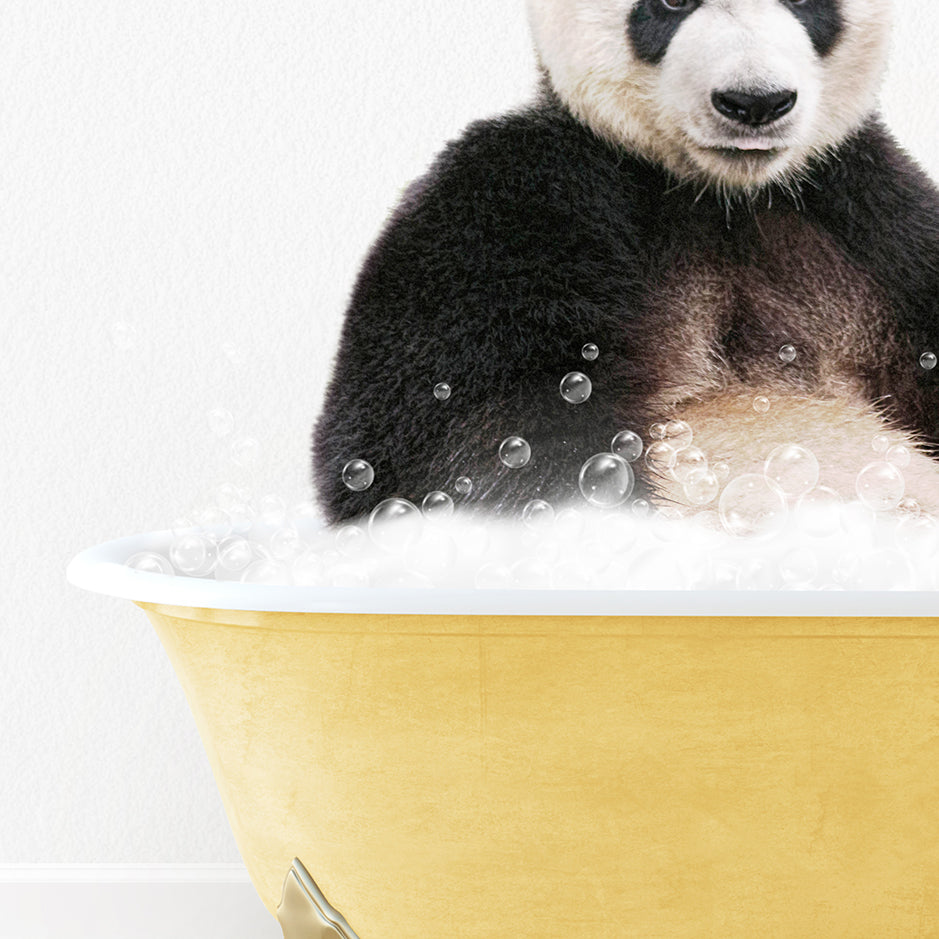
column 548, row 764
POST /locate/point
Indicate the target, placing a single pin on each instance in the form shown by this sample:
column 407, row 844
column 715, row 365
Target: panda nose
column 754, row 110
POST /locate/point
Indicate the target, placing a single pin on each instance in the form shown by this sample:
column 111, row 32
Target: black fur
column 529, row 238
column 822, row 21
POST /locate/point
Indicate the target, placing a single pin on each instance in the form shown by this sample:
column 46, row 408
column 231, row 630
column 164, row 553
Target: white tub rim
column 101, row 569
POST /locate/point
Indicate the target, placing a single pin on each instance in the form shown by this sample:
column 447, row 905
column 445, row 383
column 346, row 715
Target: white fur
column 664, row 111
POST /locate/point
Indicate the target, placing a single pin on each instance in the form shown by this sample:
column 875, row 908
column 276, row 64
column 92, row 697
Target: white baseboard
column 150, row 901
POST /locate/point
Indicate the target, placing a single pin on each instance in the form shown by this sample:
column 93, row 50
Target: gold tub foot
column 304, row 913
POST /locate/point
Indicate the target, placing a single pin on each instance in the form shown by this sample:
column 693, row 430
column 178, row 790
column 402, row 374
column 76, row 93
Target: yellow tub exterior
column 545, row 777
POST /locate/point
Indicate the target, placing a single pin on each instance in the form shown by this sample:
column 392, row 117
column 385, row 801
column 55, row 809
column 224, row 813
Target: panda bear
column 699, row 185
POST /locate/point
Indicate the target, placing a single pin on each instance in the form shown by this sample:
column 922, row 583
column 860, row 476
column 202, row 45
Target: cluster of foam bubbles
column 777, row 530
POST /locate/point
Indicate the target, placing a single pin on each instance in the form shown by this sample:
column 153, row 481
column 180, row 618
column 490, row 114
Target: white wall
column 185, row 183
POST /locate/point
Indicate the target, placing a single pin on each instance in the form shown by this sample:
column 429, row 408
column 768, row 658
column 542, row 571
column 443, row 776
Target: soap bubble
column 590, row 352
column 216, row 523
column 880, row 443
column 701, row 487
column 245, row 450
column 750, row 506
column 661, row 457
column 221, row 422
column 437, row 505
column 442, row 391
column 286, row 543
column 150, row 562
column 538, row 514
column 514, row 452
column 272, row 510
column 606, row 480
column 880, row 486
column 678, row 434
column 819, row 512
column 899, row 456
column 721, row 470
column 266, row 571
column 793, row 469
column 395, row 524
column 192, row 554
column 761, row 404
column 358, row 475
column 304, row 513
column 628, row 445
column 531, row 574
column 350, row 541
column 493, row 576
column 787, row 353
column 758, row 574
column 234, row 554
column 641, row 508
column 928, row 361
column 688, row 461
column 657, row 431
column 242, row 516
column 576, row 387
column 463, row 485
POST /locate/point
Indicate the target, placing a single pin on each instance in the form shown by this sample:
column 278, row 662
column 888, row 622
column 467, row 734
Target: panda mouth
column 747, row 153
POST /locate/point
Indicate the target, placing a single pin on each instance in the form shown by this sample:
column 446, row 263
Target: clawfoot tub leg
column 304, row 913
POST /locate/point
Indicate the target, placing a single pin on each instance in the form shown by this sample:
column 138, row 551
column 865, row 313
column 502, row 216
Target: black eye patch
column 821, row 19
column 652, row 24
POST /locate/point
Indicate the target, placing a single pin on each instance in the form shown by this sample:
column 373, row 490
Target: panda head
column 736, row 93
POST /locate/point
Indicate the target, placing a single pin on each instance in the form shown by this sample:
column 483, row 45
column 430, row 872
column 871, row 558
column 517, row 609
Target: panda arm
column 516, row 250
column 884, row 211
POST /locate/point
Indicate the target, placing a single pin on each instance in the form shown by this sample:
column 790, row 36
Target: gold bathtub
column 611, row 764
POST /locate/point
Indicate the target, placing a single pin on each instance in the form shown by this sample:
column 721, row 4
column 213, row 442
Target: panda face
column 736, row 93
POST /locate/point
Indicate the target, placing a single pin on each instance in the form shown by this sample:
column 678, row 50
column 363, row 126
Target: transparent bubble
column 721, row 470
column 606, row 480
column 569, row 524
column 463, row 485
column 678, row 434
column 793, row 469
column 358, row 475
column 514, row 452
column 245, row 450
column 880, row 486
column 123, row 335
column 351, row 541
column 799, row 566
column 437, row 505
column 701, row 487
column 819, row 512
column 286, row 543
column 761, row 404
column 531, row 574
column 883, row 569
column 641, row 508
column 442, row 391
column 493, row 576
column 234, row 554
column 242, row 516
column 661, row 457
column 880, row 443
column 538, row 514
column 221, row 422
column 304, row 513
column 272, row 510
column 395, row 524
column 657, row 432
column 909, row 506
column 787, row 353
column 307, row 569
column 590, row 352
column 899, row 456
column 750, row 506
column 150, row 562
column 628, row 445
column 192, row 554
column 758, row 574
column 215, row 522
column 266, row 571
column 928, row 361
column 576, row 387
column 688, row 461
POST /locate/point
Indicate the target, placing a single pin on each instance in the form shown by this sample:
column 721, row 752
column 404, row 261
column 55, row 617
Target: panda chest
column 786, row 310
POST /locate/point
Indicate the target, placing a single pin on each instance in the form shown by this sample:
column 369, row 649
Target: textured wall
column 186, row 191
